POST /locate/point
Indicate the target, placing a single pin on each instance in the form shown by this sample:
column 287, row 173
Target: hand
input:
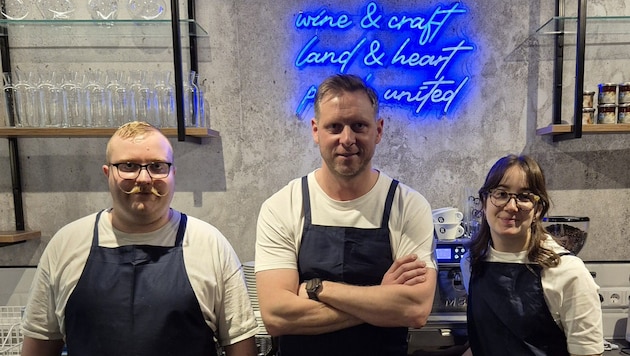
column 406, row 270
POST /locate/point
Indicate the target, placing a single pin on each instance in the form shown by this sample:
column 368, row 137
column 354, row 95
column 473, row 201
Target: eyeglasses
column 524, row 201
column 156, row 170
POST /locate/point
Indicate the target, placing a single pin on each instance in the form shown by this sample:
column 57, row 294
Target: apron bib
column 508, row 315
column 353, row 256
column 136, row 300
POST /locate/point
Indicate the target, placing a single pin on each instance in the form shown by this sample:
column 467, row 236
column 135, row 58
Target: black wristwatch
column 313, row 287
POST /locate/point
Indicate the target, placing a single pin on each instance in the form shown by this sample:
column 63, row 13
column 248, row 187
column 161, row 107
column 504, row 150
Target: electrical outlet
column 615, row 297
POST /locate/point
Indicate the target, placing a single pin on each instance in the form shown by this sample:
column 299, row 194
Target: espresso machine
column 445, row 333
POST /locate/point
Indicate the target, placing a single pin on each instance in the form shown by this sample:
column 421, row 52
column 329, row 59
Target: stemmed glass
column 16, row 9
column 56, row 9
column 146, row 9
column 103, row 9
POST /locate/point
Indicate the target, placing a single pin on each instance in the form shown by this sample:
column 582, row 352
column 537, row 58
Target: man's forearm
column 390, row 305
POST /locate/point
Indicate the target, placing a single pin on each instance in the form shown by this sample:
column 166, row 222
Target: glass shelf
column 196, row 132
column 599, row 30
column 96, row 28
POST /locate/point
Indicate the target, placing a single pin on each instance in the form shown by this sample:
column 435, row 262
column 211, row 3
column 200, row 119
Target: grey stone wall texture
column 247, row 64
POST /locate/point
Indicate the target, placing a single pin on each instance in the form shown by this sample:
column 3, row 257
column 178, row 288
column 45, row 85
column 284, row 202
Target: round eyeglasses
column 524, row 201
column 156, row 170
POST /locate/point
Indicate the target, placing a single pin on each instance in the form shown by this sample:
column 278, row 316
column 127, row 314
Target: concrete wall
column 253, row 89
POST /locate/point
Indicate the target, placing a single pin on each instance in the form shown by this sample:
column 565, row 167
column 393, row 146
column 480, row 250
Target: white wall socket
column 615, row 297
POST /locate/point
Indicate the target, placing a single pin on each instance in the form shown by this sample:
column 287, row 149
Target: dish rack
column 10, row 335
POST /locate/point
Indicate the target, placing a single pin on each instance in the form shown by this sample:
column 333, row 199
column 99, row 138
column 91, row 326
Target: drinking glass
column 73, row 83
column 52, row 100
column 26, row 99
column 122, row 103
column 16, row 9
column 191, row 101
column 103, row 9
column 98, row 100
column 165, row 99
column 146, row 9
column 56, row 9
column 144, row 101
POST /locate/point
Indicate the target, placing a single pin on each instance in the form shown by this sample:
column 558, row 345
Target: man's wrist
column 313, row 288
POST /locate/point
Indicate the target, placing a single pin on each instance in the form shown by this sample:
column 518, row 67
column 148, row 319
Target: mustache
column 136, row 189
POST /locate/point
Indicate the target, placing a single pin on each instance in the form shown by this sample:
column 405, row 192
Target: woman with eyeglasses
column 527, row 295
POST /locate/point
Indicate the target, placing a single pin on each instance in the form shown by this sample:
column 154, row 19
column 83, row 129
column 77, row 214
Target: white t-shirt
column 213, row 268
column 571, row 294
column 281, row 221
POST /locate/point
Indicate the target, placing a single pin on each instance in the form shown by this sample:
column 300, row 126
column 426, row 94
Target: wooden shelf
column 586, row 129
column 197, row 132
column 11, row 237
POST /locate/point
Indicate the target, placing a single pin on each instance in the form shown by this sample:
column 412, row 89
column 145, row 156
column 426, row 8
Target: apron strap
column 389, row 202
column 306, row 203
column 181, row 229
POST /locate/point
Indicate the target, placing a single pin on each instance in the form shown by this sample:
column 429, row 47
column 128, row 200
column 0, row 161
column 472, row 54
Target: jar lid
column 608, row 84
column 589, row 92
column 565, row 218
column 604, row 106
column 589, row 109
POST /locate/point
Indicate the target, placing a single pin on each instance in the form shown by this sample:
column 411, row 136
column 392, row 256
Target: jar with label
column 607, row 94
column 624, row 93
column 588, row 115
column 623, row 114
column 587, row 99
column 606, row 114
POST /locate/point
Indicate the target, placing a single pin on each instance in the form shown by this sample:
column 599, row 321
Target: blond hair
column 131, row 130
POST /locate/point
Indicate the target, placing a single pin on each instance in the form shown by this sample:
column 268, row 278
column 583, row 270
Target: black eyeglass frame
column 140, row 167
column 534, row 201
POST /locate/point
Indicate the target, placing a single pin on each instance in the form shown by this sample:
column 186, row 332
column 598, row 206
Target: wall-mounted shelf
column 13, row 237
column 586, row 129
column 197, row 132
column 580, row 31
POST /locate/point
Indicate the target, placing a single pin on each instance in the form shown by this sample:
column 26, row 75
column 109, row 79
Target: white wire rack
column 10, row 335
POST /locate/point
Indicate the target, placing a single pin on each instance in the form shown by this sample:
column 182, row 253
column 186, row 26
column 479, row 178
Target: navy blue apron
column 136, row 301
column 508, row 315
column 349, row 255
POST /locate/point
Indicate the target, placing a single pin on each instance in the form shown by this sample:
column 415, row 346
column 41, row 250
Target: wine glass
column 103, row 9
column 146, row 9
column 16, row 9
column 56, row 9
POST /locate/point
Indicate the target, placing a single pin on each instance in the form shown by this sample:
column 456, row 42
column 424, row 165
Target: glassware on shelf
column 73, row 83
column 191, row 101
column 122, row 101
column 52, row 100
column 7, row 85
column 26, row 98
column 146, row 9
column 56, row 9
column 103, row 9
column 98, row 100
column 165, row 99
column 16, row 9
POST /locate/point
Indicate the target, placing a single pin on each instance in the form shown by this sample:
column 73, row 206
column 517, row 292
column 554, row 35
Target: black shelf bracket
column 580, row 48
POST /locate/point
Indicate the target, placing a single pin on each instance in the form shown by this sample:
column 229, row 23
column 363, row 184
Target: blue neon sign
column 414, row 60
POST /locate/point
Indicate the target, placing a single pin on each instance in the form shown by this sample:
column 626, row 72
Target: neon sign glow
column 417, row 52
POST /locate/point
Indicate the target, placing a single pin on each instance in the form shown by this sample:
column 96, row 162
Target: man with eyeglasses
column 527, row 295
column 139, row 278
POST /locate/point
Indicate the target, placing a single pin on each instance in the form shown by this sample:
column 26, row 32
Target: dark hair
column 536, row 184
column 339, row 83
